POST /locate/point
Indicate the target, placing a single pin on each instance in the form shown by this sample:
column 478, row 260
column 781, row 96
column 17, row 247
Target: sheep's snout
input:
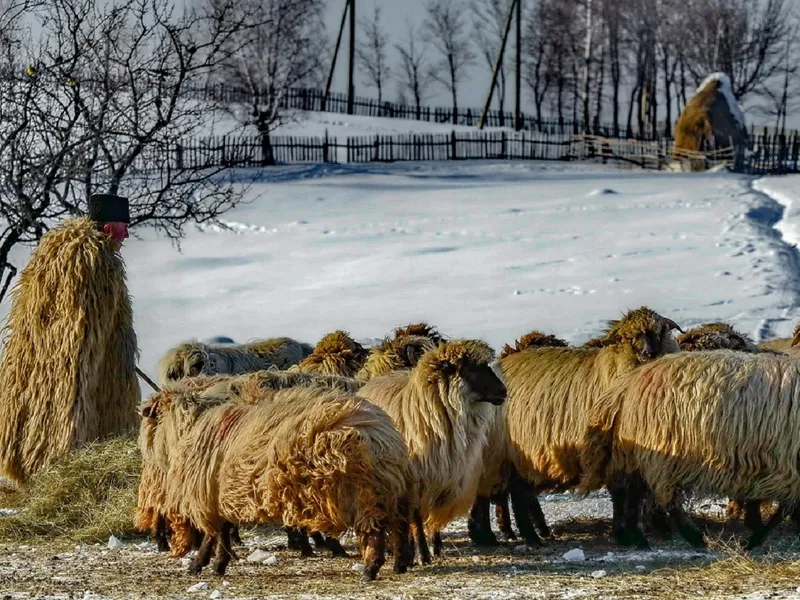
column 486, row 385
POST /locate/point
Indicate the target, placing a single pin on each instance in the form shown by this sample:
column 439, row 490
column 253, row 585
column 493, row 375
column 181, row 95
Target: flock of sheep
column 395, row 441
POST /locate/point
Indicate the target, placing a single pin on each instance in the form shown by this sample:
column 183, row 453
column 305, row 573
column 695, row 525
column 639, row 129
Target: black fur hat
column 108, row 208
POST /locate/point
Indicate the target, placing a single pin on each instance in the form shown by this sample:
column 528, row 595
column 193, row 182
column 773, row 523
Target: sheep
column 307, row 458
column 335, row 354
column 443, row 409
column 493, row 485
column 155, row 448
column 419, row 329
column 722, row 422
column 551, row 396
column 715, row 336
column 194, row 358
column 394, row 354
column 784, row 345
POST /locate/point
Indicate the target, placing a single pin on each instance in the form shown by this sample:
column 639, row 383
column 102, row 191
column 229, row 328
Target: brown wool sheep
column 155, row 446
column 307, row 458
column 493, row 486
column 784, row 345
column 715, row 336
column 192, row 359
column 395, row 354
column 551, row 397
column 419, row 329
column 336, row 354
column 718, row 422
column 443, row 409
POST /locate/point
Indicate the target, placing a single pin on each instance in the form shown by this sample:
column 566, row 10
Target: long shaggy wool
column 67, row 372
column 552, row 393
column 395, row 354
column 720, row 422
column 443, row 423
column 335, row 354
column 162, row 428
column 495, row 456
column 193, row 359
column 715, row 336
column 327, row 461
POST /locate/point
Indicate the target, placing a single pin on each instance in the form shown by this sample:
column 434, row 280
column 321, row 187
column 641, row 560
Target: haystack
column 85, row 496
column 712, row 121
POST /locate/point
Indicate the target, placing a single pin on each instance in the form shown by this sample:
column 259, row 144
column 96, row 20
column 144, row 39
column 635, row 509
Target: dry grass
column 86, row 496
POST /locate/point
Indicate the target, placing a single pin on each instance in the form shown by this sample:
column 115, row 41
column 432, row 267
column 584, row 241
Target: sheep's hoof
column 336, row 548
column 400, row 568
column 195, row 569
column 219, row 568
column 545, row 532
column 508, row 536
column 695, row 538
column 370, row 573
column 484, row 538
column 163, row 545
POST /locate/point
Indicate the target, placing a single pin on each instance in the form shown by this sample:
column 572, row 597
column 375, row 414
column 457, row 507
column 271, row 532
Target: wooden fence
column 765, row 154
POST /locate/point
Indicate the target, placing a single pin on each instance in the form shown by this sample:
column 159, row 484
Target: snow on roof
column 727, row 90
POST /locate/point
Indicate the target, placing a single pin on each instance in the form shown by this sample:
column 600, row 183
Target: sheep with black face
column 551, row 398
column 443, row 408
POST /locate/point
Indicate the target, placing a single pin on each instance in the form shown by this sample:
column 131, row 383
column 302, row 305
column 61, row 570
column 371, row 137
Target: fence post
column 325, row 148
column 453, row 155
column 376, row 154
column 503, row 140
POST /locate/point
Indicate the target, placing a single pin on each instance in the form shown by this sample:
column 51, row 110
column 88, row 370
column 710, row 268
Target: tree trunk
column 631, row 105
column 601, row 82
column 453, row 88
column 587, row 66
column 267, row 154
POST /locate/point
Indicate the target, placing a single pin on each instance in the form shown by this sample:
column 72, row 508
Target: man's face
column 118, row 232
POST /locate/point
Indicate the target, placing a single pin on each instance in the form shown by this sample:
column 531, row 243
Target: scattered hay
column 86, row 496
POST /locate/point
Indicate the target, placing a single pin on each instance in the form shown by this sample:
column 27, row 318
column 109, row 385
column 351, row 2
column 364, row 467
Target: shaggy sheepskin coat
column 67, row 371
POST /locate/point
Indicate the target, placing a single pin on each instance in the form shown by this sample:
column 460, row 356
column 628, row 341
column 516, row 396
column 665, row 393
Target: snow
column 114, row 543
column 727, row 90
column 482, row 249
column 574, row 555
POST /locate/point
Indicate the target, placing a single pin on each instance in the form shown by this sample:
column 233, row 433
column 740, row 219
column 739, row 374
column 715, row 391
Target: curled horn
column 796, row 338
column 673, row 325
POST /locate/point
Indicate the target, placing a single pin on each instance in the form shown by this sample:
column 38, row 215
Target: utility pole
column 517, row 110
column 335, row 55
column 498, row 62
column 350, row 86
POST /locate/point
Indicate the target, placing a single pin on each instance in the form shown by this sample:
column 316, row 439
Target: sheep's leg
column 422, row 542
column 659, row 520
column 503, row 514
column 204, row 554
column 236, row 539
column 400, row 538
column 634, row 490
column 686, row 527
column 335, row 547
column 734, row 509
column 618, row 519
column 478, row 525
column 519, row 502
column 438, row 545
column 374, row 546
column 319, row 540
column 537, row 514
column 305, row 547
column 796, row 516
column 224, row 552
column 160, row 533
column 752, row 515
column 761, row 534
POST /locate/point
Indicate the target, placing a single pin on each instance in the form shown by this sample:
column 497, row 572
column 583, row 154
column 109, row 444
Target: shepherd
column 68, row 364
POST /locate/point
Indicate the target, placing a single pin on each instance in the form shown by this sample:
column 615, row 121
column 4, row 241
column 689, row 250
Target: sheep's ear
column 673, row 325
column 413, row 354
column 174, row 372
column 148, row 410
column 446, row 367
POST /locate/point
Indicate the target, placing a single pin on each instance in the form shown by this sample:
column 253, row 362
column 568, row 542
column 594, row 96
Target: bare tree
column 371, row 52
column 587, row 60
column 539, row 74
column 742, row 38
column 101, row 107
column 446, row 30
column 488, row 24
column 781, row 95
column 280, row 46
column 414, row 75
